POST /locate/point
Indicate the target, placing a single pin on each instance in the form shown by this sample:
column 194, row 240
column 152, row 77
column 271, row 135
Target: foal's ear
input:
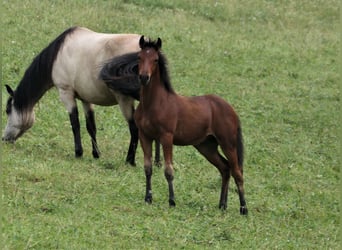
column 159, row 43
column 9, row 90
column 142, row 42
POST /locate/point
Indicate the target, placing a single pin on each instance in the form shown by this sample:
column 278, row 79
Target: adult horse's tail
column 240, row 149
column 121, row 74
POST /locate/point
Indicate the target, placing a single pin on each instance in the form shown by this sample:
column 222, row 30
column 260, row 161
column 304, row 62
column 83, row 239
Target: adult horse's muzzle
column 144, row 79
column 8, row 139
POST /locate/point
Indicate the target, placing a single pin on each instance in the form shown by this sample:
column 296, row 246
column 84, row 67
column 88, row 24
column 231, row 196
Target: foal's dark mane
column 121, row 73
column 38, row 76
column 164, row 72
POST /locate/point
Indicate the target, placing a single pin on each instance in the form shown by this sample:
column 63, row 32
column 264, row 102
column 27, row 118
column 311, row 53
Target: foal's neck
column 155, row 92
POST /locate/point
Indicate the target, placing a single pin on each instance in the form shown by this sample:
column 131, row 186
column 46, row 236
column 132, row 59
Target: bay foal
column 205, row 122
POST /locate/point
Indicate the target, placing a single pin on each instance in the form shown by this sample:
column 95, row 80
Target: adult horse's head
column 19, row 119
column 148, row 59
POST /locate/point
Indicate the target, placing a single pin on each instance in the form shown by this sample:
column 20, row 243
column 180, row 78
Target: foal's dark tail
column 240, row 146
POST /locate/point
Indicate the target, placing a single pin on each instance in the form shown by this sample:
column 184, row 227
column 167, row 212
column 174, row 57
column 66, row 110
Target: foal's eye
column 156, row 61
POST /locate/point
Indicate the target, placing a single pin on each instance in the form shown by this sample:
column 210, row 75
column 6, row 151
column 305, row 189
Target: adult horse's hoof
column 130, row 160
column 243, row 210
column 78, row 153
column 131, row 163
column 148, row 199
column 223, row 207
column 96, row 154
column 172, row 203
column 158, row 163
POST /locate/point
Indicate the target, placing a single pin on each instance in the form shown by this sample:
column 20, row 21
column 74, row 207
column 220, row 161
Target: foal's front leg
column 146, row 145
column 167, row 143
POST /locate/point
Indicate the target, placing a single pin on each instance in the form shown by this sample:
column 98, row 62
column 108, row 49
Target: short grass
column 274, row 61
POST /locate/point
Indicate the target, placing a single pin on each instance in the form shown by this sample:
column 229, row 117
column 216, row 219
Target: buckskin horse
column 72, row 63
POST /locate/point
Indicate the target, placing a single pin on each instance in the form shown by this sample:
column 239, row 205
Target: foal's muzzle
column 144, row 79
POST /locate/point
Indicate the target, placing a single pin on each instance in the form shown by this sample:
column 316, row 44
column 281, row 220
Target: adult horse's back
column 72, row 63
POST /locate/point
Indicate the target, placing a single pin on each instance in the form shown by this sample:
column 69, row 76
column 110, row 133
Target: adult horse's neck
column 38, row 76
column 28, row 92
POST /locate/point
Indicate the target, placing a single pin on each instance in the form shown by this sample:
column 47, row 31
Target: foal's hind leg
column 208, row 149
column 236, row 171
column 91, row 127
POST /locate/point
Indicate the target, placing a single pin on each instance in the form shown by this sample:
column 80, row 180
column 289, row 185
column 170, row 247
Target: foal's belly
column 184, row 140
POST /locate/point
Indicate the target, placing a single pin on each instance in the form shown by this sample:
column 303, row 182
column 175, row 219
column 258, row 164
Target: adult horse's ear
column 142, row 42
column 159, row 43
column 9, row 90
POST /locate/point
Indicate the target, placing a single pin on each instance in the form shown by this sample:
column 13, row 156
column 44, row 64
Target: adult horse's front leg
column 68, row 99
column 91, row 127
column 75, row 125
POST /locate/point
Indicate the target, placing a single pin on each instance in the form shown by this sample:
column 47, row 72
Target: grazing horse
column 205, row 122
column 72, row 63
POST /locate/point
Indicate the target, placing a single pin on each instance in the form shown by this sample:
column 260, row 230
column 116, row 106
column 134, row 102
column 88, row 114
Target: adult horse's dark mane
column 121, row 73
column 38, row 76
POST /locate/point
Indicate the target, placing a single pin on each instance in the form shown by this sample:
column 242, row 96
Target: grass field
column 276, row 62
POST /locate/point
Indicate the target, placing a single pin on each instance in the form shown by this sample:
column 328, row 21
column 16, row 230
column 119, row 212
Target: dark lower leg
column 75, row 125
column 91, row 128
column 169, row 178
column 148, row 174
column 224, row 191
column 133, row 143
column 243, row 206
column 157, row 161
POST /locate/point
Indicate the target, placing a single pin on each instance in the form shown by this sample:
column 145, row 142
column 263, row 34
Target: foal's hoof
column 243, row 210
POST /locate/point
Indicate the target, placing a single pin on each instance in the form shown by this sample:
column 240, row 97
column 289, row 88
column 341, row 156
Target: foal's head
column 148, row 58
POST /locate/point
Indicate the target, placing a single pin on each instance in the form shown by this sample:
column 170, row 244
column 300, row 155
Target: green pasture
column 275, row 61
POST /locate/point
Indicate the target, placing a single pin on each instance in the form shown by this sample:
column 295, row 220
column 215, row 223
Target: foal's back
column 201, row 116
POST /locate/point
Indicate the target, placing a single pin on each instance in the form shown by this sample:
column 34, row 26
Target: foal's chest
column 150, row 124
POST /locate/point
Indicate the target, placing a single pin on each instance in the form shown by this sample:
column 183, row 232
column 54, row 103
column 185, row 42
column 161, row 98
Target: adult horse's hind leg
column 209, row 149
column 126, row 105
column 133, row 129
column 91, row 127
